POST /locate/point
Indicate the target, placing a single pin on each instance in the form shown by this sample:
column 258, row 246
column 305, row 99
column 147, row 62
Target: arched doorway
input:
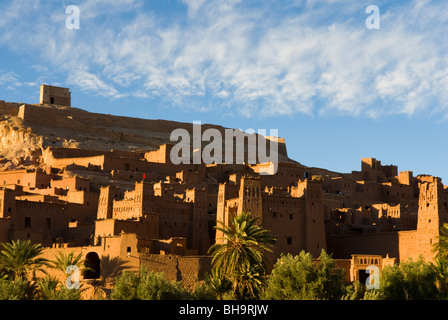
column 92, row 264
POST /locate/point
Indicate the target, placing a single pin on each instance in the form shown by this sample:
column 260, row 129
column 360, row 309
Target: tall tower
column 7, row 204
column 431, row 216
column 199, row 238
column 250, row 197
column 314, row 225
column 105, row 203
column 222, row 217
column 143, row 198
column 245, row 199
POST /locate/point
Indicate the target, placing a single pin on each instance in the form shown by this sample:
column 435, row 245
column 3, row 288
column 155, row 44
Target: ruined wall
column 80, row 153
column 189, row 269
column 8, row 108
column 88, row 162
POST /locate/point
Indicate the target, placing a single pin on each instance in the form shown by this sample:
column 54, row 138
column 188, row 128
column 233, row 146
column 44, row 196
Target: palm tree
column 441, row 270
column 63, row 261
column 441, row 247
column 241, row 258
column 18, row 258
column 218, row 283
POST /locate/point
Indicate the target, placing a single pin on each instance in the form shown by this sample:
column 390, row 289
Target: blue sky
column 335, row 90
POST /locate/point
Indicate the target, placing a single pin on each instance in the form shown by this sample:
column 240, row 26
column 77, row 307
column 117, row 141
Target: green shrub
column 299, row 278
column 146, row 285
column 14, row 289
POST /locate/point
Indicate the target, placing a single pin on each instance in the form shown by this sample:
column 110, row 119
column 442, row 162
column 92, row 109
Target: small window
column 288, row 240
column 48, row 223
column 27, row 223
column 291, row 217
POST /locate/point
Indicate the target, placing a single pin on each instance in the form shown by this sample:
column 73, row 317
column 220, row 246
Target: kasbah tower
column 104, row 186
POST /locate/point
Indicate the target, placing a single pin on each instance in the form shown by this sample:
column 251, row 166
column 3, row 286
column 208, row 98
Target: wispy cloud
column 276, row 58
column 89, row 82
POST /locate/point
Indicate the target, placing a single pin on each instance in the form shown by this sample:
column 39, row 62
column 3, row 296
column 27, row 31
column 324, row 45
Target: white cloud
column 265, row 61
column 91, row 83
column 10, row 80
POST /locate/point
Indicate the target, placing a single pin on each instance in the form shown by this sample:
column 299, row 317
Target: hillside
column 28, row 129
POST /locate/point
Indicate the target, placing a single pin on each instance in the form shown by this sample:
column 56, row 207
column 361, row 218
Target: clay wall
column 371, row 169
column 105, row 201
column 174, row 217
column 88, row 203
column 406, row 178
column 285, row 218
column 87, row 162
column 5, row 225
column 55, row 95
column 401, row 244
column 71, row 184
column 188, row 269
column 398, row 193
column 389, row 171
column 344, row 264
column 368, row 190
column 7, row 203
column 143, row 228
column 51, row 219
column 24, row 178
column 3, row 109
column 342, row 247
column 82, row 153
column 340, row 186
column 126, row 209
column 12, row 177
column 286, row 175
column 161, row 155
column 9, row 108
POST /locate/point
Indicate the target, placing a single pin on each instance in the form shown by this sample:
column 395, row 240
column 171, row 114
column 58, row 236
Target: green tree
column 218, row 283
column 203, row 291
column 300, row 278
column 330, row 282
column 441, row 246
column 146, row 285
column 14, row 289
column 358, row 291
column 126, row 286
column 63, row 260
column 19, row 258
column 441, row 270
column 50, row 288
column 411, row 280
column 154, row 286
column 241, row 257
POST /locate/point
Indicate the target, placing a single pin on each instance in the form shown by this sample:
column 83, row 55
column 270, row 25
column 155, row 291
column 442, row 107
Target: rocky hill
column 28, row 129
